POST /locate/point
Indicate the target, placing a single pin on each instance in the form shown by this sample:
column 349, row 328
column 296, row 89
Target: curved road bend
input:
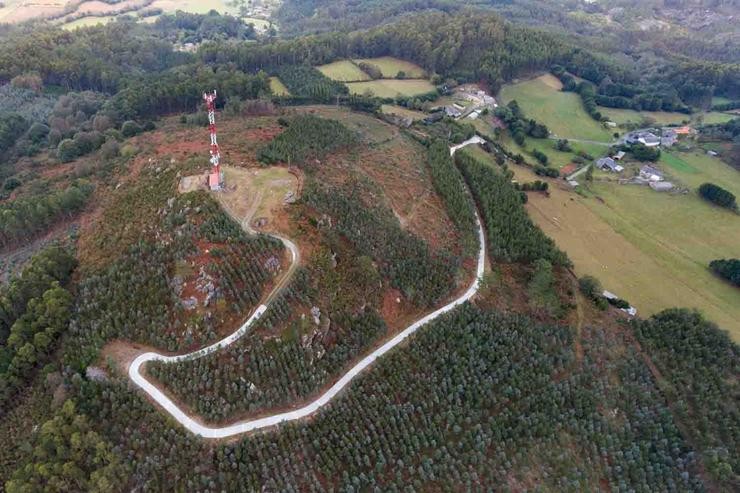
column 250, row 425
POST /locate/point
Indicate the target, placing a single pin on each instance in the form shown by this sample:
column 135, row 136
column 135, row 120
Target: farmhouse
column 646, row 138
column 668, row 138
column 649, row 173
column 452, row 111
column 649, row 139
column 608, row 164
column 661, row 186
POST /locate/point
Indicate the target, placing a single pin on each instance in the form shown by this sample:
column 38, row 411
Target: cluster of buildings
column 648, row 174
column 654, row 178
column 645, row 137
column 668, row 136
column 474, row 102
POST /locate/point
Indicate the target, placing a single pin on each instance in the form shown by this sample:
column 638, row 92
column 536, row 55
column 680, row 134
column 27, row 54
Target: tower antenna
column 216, row 176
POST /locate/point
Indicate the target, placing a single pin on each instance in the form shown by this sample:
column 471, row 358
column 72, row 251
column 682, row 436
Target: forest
column 35, row 309
column 307, row 137
column 699, row 364
column 449, row 184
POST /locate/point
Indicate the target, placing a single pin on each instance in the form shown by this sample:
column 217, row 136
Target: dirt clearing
column 259, row 195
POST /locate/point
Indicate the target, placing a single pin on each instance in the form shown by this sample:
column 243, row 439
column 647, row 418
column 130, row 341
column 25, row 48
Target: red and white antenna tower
column 216, row 177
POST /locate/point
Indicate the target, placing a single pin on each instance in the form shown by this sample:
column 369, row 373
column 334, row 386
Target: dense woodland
column 307, row 137
column 35, row 310
column 698, row 364
column 511, row 234
column 479, row 399
column 449, row 184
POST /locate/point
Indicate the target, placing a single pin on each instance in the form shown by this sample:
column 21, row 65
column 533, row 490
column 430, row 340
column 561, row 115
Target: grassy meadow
column 390, row 66
column 390, row 88
column 682, row 234
column 621, row 116
column 652, row 249
column 392, row 109
column 562, row 112
column 278, row 88
column 694, row 168
column 717, row 117
column 343, row 71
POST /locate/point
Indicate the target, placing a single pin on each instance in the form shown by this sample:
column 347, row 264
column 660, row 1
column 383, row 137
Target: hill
column 371, row 300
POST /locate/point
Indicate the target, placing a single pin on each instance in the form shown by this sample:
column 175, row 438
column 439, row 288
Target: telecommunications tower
column 216, row 176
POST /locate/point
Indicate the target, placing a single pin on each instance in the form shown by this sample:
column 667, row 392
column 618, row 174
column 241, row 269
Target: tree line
column 718, row 195
column 519, row 126
column 449, row 184
column 511, row 234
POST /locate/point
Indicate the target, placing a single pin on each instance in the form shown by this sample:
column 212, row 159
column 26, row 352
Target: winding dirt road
column 256, row 424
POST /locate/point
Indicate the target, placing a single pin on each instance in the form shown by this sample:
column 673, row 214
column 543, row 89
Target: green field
column 278, row 88
column 682, row 234
column 390, row 88
column 392, row 109
column 88, row 21
column 390, row 67
column 259, row 24
column 720, row 100
column 562, row 112
column 717, row 117
column 343, row 71
column 557, row 159
column 621, row 116
column 197, row 6
column 694, row 168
